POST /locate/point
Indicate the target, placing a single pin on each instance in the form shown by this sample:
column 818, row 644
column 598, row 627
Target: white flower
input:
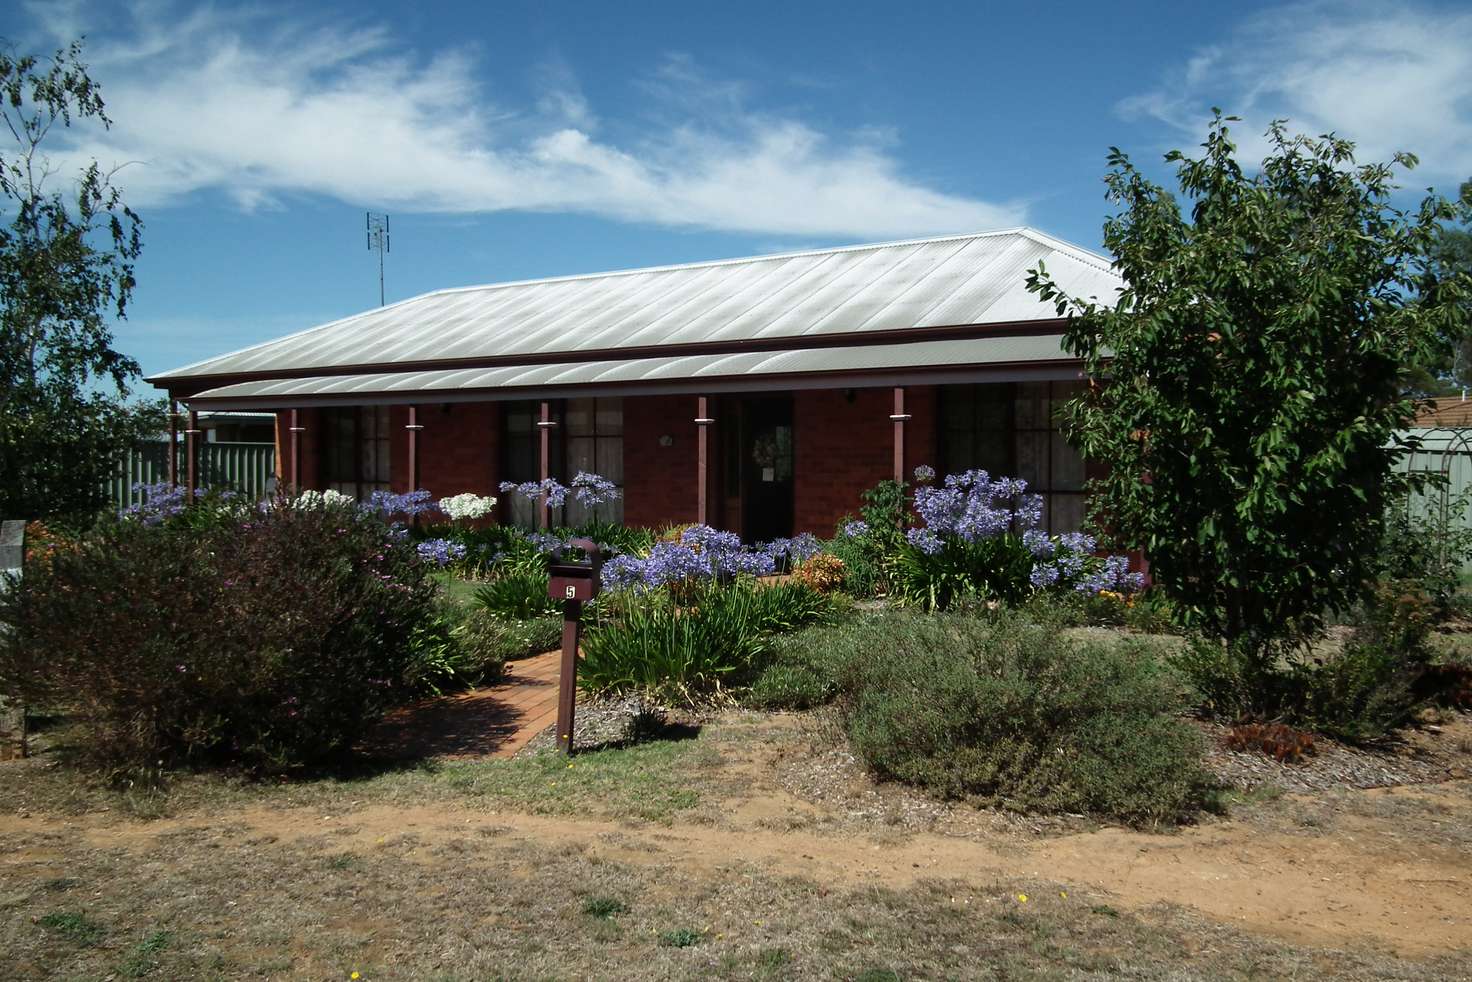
column 316, row 500
column 467, row 506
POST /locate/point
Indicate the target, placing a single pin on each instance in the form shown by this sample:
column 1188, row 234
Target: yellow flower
column 355, row 975
column 1063, row 894
column 1022, row 897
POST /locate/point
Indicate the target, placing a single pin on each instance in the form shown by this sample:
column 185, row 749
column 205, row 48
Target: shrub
column 272, row 639
column 802, row 669
column 690, row 653
column 518, row 595
column 824, row 573
column 956, row 570
column 862, row 572
column 1359, row 694
column 1008, row 713
column 1282, row 743
column 487, row 643
column 435, row 653
column 1427, row 548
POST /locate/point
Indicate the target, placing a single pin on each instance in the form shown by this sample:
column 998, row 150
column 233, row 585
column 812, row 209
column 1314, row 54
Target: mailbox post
column 574, row 583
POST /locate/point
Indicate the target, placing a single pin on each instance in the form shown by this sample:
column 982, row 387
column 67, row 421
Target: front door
column 766, row 468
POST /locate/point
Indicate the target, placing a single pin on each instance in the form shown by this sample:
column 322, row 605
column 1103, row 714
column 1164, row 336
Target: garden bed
column 1418, row 756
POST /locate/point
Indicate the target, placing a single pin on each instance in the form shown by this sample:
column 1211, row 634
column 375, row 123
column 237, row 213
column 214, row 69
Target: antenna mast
column 378, row 242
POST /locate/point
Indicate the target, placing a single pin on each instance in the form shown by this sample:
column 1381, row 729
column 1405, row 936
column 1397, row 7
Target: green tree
column 1451, row 255
column 1254, row 375
column 67, row 248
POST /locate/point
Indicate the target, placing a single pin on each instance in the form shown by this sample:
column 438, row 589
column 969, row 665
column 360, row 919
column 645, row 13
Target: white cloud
column 1389, row 76
column 241, row 103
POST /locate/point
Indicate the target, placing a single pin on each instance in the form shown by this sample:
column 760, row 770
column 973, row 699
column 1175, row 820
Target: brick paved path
column 495, row 721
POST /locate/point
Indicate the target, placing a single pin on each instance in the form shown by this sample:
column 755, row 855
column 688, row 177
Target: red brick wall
column 844, row 447
column 659, row 482
column 459, row 448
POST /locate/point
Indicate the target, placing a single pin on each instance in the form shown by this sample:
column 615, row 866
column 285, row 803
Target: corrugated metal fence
column 1447, row 454
column 243, row 467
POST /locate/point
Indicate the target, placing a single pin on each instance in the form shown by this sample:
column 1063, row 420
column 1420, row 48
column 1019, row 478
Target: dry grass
column 750, row 850
column 227, row 904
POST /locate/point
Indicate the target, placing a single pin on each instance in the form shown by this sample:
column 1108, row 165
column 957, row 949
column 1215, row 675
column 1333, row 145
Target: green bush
column 994, row 568
column 487, row 643
column 1008, row 713
column 435, row 652
column 802, row 669
column 1359, row 694
column 271, row 640
column 518, row 595
column 862, row 571
column 1427, row 547
column 690, row 653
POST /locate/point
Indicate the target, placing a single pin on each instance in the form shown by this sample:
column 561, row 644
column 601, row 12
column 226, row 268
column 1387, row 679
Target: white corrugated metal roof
column 958, row 280
column 824, row 367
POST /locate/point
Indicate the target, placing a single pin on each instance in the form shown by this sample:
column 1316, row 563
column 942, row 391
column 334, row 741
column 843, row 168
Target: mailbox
column 571, row 579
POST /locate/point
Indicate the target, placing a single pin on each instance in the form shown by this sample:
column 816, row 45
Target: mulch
column 1424, row 756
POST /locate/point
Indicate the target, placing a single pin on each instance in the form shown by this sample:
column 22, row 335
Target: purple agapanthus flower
column 925, row 540
column 924, row 474
column 386, row 504
column 591, row 489
column 855, row 529
column 441, row 552
column 161, row 501
column 586, row 489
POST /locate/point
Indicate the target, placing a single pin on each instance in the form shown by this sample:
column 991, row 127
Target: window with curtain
column 594, row 437
column 1010, row 429
column 589, row 437
column 355, row 450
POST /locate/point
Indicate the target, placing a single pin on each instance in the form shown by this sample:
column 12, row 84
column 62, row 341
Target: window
column 595, row 444
column 1010, row 429
column 590, row 438
column 355, row 450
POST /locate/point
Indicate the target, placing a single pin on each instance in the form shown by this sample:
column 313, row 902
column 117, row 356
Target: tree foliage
column 1451, row 255
column 1249, row 382
column 67, row 248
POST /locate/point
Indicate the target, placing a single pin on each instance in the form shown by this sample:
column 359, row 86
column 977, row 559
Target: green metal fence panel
column 1445, row 456
column 246, row 468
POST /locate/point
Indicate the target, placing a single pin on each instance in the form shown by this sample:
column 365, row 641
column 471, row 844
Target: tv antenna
column 378, row 242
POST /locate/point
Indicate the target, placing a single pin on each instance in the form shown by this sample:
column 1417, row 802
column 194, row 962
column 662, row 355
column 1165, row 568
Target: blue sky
column 511, row 140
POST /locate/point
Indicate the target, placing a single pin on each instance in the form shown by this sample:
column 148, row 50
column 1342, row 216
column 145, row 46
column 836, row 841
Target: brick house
column 759, row 395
